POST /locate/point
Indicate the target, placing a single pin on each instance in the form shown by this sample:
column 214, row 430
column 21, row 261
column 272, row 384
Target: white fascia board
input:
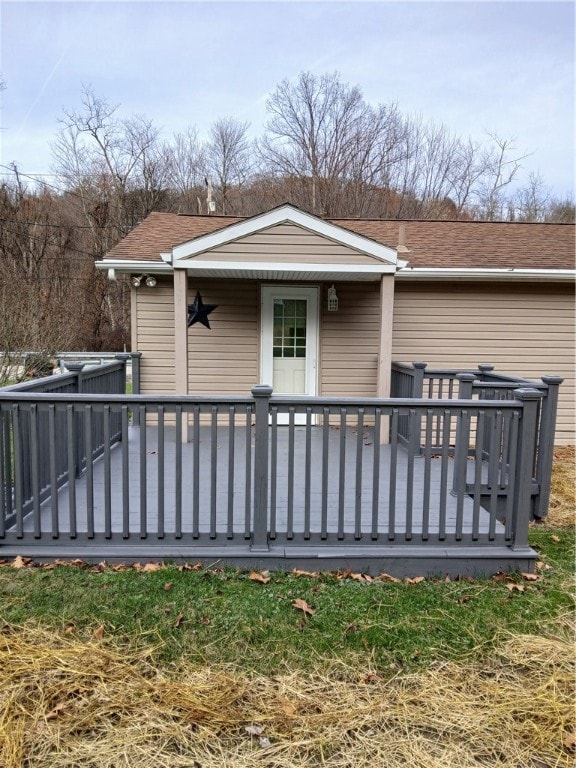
column 197, row 265
column 285, row 214
column 130, row 266
column 441, row 273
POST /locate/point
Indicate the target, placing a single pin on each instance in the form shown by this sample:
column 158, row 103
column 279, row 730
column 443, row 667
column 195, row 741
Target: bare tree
column 186, row 158
column 323, row 134
column 228, row 159
column 116, row 162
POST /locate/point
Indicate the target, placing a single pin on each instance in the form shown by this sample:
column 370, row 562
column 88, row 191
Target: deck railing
column 222, row 469
column 44, row 446
column 483, row 384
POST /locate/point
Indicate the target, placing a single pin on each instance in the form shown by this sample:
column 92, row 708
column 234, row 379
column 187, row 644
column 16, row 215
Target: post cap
column 419, row 365
column 122, row 356
column 261, row 390
column 74, row 367
column 527, row 393
column 485, row 367
column 466, row 377
column 552, row 379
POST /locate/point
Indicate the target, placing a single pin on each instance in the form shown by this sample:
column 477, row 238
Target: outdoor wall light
column 149, row 281
column 332, row 300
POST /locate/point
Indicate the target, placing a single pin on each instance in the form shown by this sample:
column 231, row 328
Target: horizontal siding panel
column 224, row 359
column 350, row 342
column 155, row 337
column 523, row 330
column 287, row 243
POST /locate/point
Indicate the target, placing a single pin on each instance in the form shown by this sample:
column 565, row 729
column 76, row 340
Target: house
column 384, row 465
column 324, row 307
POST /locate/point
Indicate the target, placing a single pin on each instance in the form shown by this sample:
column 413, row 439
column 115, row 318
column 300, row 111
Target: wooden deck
column 213, row 498
column 452, row 492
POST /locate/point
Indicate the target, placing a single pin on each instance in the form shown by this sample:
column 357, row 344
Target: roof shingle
column 441, row 244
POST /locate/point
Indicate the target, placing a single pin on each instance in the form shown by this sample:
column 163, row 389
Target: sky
column 475, row 65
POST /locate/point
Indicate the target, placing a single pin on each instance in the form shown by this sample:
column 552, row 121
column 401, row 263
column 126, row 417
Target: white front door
column 289, row 349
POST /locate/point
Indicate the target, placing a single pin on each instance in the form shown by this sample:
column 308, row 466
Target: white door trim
column 268, row 294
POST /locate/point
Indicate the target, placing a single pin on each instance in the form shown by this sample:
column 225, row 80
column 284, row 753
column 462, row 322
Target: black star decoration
column 198, row 311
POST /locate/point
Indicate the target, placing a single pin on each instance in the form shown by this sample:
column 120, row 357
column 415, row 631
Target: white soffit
column 246, row 270
column 286, row 214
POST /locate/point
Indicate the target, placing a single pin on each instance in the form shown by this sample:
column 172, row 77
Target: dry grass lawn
column 67, row 702
column 562, row 510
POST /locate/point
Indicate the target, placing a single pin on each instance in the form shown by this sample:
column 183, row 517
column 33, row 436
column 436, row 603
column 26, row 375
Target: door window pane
column 289, row 327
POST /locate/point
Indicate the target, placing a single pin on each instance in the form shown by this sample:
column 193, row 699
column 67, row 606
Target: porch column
column 385, row 352
column 181, row 340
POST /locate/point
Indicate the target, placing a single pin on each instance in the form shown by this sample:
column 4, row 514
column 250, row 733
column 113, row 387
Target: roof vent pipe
column 401, row 248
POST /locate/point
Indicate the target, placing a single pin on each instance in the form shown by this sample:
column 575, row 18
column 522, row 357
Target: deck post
column 135, row 358
column 123, row 357
column 415, row 423
column 76, row 368
column 546, row 444
column 466, row 380
column 530, row 399
column 261, row 394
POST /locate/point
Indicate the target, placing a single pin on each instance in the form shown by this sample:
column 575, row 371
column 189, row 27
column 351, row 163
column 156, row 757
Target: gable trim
column 282, row 215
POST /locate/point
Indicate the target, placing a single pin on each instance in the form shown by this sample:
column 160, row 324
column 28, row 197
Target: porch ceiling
column 288, row 271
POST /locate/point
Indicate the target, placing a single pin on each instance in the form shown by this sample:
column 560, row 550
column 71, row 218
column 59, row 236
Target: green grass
column 221, row 617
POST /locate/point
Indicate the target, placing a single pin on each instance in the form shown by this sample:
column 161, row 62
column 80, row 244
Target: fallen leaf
column 264, row 742
column 569, row 741
column 515, row 587
column 69, row 629
column 302, row 605
column 168, row 586
column 464, row 599
column 343, row 574
column 353, row 628
column 387, row 577
column 57, row 709
column 263, row 577
column 357, row 576
column 205, row 621
column 288, row 708
column 98, row 632
column 555, row 539
column 501, row 576
column 311, row 574
column 415, row 580
column 179, row 620
column 254, row 730
column 531, row 577
column 150, row 567
column 21, row 562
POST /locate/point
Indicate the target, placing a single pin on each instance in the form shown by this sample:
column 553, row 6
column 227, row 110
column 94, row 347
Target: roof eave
column 129, row 266
column 485, row 274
